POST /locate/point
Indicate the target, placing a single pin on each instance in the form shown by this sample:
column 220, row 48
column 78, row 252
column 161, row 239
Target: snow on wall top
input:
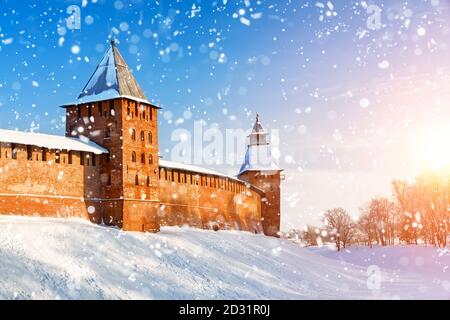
column 191, row 168
column 51, row 141
column 111, row 79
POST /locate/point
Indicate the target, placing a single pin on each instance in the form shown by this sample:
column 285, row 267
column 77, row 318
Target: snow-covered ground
column 73, row 259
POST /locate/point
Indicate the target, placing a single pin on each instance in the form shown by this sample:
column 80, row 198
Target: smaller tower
column 260, row 169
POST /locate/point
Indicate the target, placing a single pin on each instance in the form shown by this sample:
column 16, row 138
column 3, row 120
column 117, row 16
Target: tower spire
column 111, row 79
column 260, row 169
column 258, row 136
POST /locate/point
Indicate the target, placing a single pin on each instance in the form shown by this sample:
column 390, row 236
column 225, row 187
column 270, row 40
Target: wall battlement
column 107, row 168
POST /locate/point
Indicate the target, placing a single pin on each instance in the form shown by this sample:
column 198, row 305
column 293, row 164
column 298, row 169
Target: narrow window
column 107, row 133
column 58, row 156
column 133, row 156
column 79, row 112
column 136, row 109
column 81, row 158
column 29, row 153
column 89, row 112
column 136, row 180
column 69, row 156
column 133, row 134
column 151, row 114
column 150, row 137
column 44, row 154
column 111, row 108
column 143, row 158
column 148, row 181
column 150, row 159
column 108, row 157
column 142, row 136
column 100, row 108
column 109, row 180
column 93, row 160
column 13, row 151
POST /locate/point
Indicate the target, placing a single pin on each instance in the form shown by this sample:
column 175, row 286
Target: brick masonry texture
column 127, row 187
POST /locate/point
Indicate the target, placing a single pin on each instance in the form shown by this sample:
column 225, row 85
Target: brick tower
column 260, row 169
column 113, row 111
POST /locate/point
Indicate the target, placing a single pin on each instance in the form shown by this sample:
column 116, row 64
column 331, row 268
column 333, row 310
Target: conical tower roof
column 257, row 128
column 111, row 79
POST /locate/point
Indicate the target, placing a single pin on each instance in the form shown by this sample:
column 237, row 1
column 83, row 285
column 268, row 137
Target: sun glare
column 435, row 149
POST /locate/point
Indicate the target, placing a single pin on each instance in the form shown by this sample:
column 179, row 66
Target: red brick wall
column 132, row 205
column 109, row 191
column 270, row 210
column 46, row 188
column 141, row 206
column 212, row 202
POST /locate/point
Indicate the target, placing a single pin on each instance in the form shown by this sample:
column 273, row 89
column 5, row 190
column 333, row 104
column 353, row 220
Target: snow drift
column 74, row 259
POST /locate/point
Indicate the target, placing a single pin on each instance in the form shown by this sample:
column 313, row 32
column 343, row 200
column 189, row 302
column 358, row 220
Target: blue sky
column 350, row 103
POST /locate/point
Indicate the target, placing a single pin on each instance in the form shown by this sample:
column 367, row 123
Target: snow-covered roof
column 50, row 141
column 259, row 158
column 188, row 167
column 191, row 168
column 111, row 79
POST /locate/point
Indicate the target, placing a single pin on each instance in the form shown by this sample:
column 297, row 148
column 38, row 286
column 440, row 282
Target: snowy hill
column 72, row 259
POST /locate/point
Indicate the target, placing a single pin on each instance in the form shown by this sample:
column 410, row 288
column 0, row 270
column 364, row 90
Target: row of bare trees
column 418, row 212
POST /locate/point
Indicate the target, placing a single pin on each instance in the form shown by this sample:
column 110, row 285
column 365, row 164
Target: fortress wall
column 207, row 201
column 30, row 185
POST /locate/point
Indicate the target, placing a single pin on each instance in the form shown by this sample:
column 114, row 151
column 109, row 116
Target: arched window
column 142, row 136
column 143, row 158
column 148, row 181
column 150, row 138
column 133, row 134
column 150, row 159
column 133, row 156
column 136, row 180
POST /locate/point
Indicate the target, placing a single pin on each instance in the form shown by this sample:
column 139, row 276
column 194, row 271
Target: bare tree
column 367, row 225
column 310, row 235
column 339, row 224
column 382, row 212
